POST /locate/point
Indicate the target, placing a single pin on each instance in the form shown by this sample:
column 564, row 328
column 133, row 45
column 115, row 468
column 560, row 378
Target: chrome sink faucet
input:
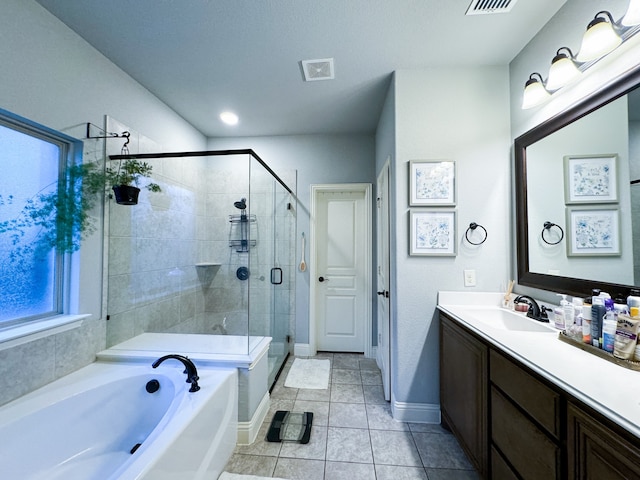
column 189, row 369
column 535, row 311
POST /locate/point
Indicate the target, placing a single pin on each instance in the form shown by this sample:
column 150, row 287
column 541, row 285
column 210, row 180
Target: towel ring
column 472, row 227
column 548, row 226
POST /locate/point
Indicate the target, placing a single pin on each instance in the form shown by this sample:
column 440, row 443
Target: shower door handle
column 276, row 276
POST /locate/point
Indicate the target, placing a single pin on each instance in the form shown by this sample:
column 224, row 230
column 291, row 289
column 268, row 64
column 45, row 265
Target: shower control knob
column 322, row 279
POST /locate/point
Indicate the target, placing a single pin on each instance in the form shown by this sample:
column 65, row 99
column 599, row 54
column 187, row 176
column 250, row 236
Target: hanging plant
column 124, row 180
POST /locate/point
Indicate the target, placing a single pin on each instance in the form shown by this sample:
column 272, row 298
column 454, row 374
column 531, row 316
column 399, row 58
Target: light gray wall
column 460, row 114
column 52, row 76
column 565, row 29
column 318, row 159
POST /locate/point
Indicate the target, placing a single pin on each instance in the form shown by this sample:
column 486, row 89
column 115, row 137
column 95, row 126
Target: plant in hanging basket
column 124, row 180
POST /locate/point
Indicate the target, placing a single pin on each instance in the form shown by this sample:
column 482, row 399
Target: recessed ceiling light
column 229, row 118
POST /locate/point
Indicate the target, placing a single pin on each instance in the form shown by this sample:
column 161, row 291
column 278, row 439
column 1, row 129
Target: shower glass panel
column 272, row 261
column 211, row 255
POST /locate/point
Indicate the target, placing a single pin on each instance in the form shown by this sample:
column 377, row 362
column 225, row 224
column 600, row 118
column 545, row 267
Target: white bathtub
column 83, row 426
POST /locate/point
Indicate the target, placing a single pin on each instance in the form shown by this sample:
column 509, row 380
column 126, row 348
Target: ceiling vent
column 484, row 7
column 320, row 69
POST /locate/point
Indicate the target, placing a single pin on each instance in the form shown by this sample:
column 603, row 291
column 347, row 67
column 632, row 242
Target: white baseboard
column 248, row 431
column 416, row 412
column 302, row 350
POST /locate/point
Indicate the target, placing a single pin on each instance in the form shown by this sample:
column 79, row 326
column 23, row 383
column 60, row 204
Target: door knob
column 322, row 279
column 385, row 293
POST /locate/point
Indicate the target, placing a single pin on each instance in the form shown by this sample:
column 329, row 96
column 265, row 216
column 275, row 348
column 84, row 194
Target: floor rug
column 237, row 476
column 306, row 373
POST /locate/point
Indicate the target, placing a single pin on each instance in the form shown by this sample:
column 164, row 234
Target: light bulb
column 534, row 92
column 599, row 39
column 563, row 70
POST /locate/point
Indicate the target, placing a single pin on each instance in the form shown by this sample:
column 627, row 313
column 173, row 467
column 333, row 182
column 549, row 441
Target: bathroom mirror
column 605, row 126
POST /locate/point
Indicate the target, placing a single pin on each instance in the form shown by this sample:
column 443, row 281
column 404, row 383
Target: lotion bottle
column 569, row 313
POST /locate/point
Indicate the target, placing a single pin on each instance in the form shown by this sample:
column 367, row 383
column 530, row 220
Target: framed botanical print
column 432, row 183
column 432, row 232
column 590, row 179
column 593, row 231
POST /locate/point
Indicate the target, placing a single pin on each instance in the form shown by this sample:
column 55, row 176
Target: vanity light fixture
column 534, row 92
column 632, row 17
column 229, row 118
column 600, row 38
column 603, row 36
column 563, row 69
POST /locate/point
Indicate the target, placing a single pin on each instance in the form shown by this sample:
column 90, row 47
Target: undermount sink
column 502, row 319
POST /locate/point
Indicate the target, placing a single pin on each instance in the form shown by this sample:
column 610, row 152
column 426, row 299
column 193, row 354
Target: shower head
column 242, row 204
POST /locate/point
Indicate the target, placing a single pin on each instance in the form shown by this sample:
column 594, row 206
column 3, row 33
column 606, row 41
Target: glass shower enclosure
column 212, row 254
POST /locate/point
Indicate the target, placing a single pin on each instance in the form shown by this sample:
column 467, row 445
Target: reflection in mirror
column 595, row 145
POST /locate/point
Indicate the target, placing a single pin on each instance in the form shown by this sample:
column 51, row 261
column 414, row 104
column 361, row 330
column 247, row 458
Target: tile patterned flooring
column 353, row 436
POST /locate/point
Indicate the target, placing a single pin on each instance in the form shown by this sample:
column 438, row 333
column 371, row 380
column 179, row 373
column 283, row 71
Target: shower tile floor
column 353, row 436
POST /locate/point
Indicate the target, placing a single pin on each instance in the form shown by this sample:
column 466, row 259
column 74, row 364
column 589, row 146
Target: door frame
column 365, row 188
column 385, row 170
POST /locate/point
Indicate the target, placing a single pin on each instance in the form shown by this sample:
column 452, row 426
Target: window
column 37, row 203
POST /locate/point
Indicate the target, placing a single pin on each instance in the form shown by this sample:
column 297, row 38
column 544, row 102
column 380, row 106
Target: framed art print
column 432, row 232
column 432, row 183
column 590, row 179
column 593, row 231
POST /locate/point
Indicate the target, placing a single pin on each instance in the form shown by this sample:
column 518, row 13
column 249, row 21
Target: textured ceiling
column 204, row 56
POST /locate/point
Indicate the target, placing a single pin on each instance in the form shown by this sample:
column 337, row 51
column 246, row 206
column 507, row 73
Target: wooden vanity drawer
column 531, row 452
column 538, row 400
column 499, row 468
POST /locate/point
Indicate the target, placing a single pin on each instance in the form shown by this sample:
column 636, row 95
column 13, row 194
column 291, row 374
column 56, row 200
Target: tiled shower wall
column 153, row 281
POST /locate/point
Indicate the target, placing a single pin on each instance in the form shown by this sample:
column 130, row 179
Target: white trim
column 416, row 412
column 22, row 334
column 303, row 350
column 248, row 431
column 354, row 187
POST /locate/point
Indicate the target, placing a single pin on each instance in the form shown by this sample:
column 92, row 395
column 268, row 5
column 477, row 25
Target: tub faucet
column 535, row 311
column 189, row 369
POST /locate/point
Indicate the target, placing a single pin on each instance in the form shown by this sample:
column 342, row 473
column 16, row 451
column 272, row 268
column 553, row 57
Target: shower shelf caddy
column 243, row 243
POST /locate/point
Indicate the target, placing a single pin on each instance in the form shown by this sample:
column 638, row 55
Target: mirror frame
column 569, row 285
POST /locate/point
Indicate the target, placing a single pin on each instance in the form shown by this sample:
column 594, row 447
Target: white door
column 384, row 320
column 341, row 286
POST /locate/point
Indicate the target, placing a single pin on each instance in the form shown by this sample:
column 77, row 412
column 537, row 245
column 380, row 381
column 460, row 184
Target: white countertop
column 610, row 389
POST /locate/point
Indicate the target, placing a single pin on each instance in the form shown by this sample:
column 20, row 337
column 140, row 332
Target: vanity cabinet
column 463, row 390
column 525, row 421
column 513, row 423
column 597, row 449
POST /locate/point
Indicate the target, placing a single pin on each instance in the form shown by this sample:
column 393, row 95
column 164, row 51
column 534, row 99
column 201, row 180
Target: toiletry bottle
column 634, row 312
column 558, row 318
column 633, row 300
column 609, row 325
column 569, row 314
column 598, row 311
column 576, row 331
column 586, row 321
column 620, row 305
